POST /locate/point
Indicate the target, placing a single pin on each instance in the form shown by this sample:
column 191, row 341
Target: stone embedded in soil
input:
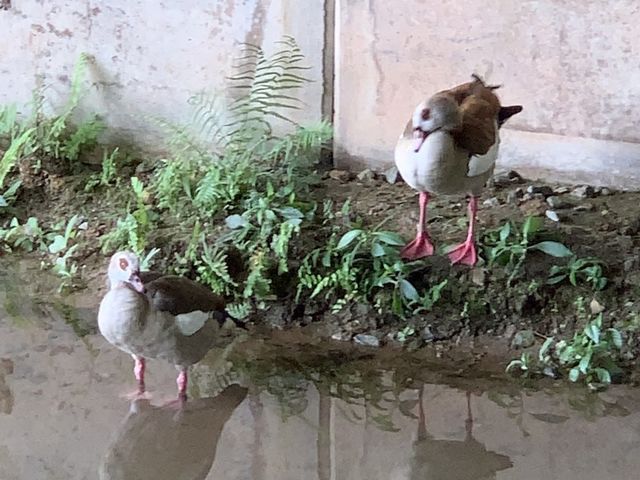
column 514, row 196
column 492, row 202
column 583, row 191
column 366, row 340
column 557, row 203
column 603, row 191
column 478, row 276
column 541, row 189
column 552, row 215
column 523, row 339
column 584, row 207
column 367, row 175
column 340, row 175
column 427, row 335
column 632, row 229
column 505, row 179
column 596, row 307
column 391, row 175
column 561, row 190
column 534, row 207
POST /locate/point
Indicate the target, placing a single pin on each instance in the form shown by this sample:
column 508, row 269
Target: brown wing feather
column 179, row 295
column 477, row 130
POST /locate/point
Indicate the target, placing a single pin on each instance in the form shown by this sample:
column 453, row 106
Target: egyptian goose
column 151, row 315
column 450, row 147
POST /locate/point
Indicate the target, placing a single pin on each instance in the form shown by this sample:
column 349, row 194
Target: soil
column 476, row 311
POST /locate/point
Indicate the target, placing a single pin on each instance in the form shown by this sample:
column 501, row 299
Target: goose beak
column 136, row 283
column 420, row 136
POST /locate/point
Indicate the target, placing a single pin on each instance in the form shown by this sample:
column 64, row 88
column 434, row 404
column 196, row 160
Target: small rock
column 341, row 337
column 504, row 179
column 491, row 202
column 542, row 189
column 83, row 226
column 550, row 372
column 427, row 335
column 514, row 196
column 561, row 190
column 510, row 331
column 596, row 307
column 534, row 207
column 551, row 215
column 367, row 175
column 478, row 276
column 557, row 203
column 631, row 263
column 632, row 229
column 584, row 207
column 583, row 191
column 342, row 176
column 523, row 339
column 605, row 192
column 391, row 175
column 366, row 340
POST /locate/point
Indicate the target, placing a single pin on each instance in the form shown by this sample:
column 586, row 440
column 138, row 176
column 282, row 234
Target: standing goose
column 150, row 315
column 450, row 147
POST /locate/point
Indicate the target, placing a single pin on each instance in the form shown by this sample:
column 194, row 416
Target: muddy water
column 269, row 408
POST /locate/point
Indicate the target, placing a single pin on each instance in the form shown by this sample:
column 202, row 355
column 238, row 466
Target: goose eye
column 425, row 114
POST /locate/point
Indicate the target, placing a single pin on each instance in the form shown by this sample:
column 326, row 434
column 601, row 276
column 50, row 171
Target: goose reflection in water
column 466, row 459
column 155, row 443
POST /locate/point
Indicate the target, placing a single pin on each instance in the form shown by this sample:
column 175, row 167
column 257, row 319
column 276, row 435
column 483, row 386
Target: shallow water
column 275, row 409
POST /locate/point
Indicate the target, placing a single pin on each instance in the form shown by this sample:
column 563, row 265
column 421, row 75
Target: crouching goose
column 450, row 147
column 151, row 315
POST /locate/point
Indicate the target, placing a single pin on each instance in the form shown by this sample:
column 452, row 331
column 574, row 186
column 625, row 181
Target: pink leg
column 421, row 246
column 138, row 371
column 182, row 381
column 465, row 253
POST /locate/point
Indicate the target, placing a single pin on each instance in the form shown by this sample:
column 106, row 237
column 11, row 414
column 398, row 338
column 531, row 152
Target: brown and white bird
column 151, row 315
column 450, row 147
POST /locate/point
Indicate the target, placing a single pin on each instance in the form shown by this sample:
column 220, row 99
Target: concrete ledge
column 571, row 159
column 539, row 156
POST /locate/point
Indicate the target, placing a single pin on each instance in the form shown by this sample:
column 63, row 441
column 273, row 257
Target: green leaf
column 3, row 202
column 603, row 375
column 593, row 332
column 616, row 337
column 542, row 353
column 555, row 249
column 556, row 279
column 59, row 244
column 531, row 226
column 574, row 374
column 236, row 221
column 408, row 290
column 377, row 250
column 583, row 366
column 505, row 231
column 290, row 213
column 390, row 238
column 347, row 238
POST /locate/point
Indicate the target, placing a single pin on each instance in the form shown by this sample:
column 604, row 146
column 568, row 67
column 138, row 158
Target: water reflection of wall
column 544, row 439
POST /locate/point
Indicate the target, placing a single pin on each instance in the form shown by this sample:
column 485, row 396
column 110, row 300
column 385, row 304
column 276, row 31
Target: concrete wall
column 150, row 56
column 573, row 64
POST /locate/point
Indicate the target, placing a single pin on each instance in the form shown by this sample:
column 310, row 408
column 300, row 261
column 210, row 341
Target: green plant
column 578, row 270
column 508, row 246
column 131, row 231
column 9, row 196
column 592, row 354
column 49, row 136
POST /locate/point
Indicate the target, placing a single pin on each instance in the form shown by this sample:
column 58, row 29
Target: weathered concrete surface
column 150, row 56
column 572, row 64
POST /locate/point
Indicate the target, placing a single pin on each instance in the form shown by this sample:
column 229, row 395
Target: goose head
column 440, row 112
column 124, row 267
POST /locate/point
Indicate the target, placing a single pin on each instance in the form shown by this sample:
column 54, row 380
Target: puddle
column 297, row 412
